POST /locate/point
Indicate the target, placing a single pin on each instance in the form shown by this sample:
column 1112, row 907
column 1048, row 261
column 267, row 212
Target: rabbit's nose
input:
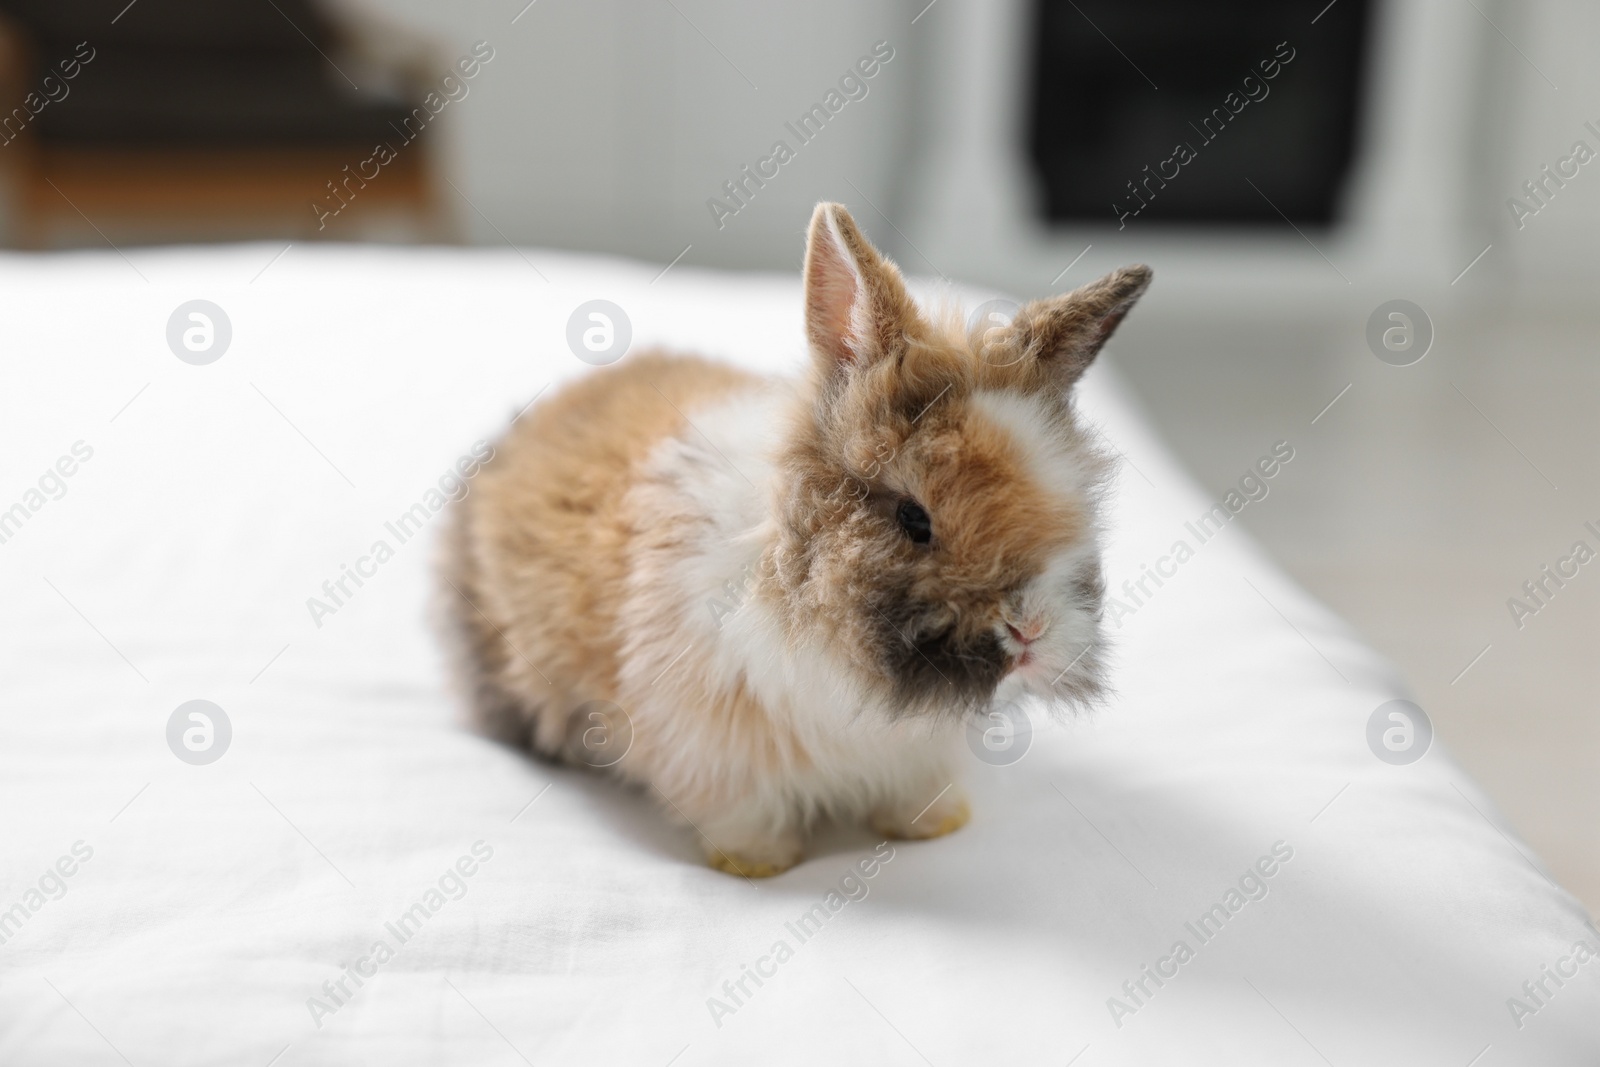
column 1027, row 632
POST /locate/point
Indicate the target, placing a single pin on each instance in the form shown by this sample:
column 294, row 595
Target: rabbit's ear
column 857, row 308
column 1066, row 332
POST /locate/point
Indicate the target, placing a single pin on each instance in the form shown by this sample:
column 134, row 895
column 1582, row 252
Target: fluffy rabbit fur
column 771, row 602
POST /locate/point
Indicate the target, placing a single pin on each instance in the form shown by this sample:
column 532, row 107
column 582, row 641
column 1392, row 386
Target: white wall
column 607, row 124
column 1556, row 254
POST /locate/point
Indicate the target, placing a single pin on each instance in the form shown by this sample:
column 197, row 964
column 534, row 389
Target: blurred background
column 1287, row 168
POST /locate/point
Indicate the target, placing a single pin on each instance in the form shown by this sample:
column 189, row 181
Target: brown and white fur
column 715, row 572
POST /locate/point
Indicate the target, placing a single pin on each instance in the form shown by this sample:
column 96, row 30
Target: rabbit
column 769, row 602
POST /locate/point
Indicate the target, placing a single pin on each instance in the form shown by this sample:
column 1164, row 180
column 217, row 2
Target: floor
column 1419, row 504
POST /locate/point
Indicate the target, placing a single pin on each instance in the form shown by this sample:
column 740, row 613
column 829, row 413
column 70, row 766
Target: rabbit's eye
column 915, row 521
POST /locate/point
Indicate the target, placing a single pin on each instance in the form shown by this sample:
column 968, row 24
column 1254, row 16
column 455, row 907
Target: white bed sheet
column 218, row 899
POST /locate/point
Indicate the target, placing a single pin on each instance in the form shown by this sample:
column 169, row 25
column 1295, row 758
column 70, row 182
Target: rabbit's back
column 536, row 562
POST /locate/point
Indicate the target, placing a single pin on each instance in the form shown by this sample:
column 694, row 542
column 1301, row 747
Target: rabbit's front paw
column 746, row 845
column 745, row 866
column 947, row 813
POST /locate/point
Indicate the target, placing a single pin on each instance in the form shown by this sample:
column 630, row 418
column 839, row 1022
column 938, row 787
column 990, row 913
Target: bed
column 208, row 890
